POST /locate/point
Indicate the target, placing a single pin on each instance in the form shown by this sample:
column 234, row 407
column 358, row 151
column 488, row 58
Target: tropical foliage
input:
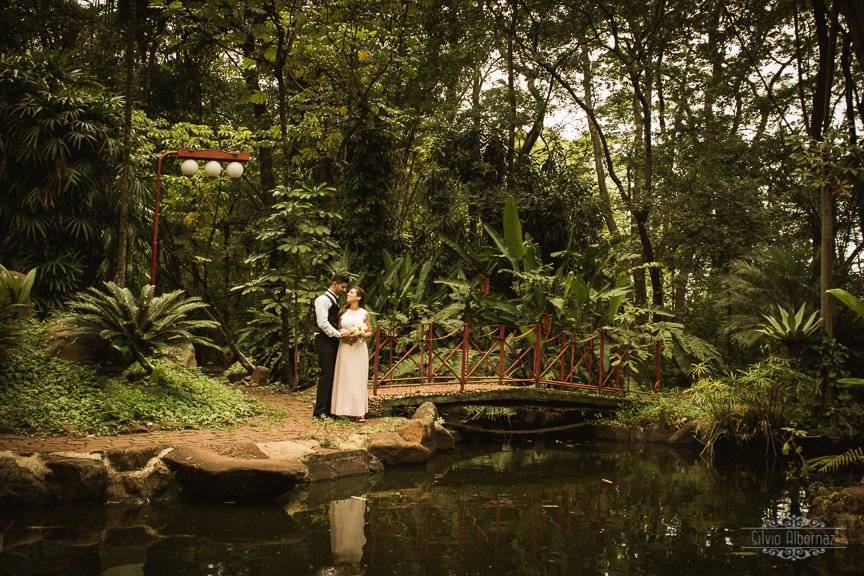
column 14, row 301
column 677, row 175
column 136, row 326
column 45, row 395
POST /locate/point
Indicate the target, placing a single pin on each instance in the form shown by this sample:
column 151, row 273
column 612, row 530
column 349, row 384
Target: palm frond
column 138, row 325
column 834, row 462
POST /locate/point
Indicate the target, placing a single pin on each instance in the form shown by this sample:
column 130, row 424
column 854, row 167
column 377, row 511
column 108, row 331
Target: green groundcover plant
column 40, row 394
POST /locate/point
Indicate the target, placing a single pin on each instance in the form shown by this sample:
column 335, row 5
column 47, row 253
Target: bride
column 350, row 396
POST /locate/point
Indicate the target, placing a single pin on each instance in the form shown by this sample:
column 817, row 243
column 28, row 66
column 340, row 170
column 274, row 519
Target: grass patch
column 40, row 394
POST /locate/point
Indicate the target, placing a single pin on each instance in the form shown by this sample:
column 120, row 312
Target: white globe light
column 213, row 169
column 234, row 170
column 189, row 167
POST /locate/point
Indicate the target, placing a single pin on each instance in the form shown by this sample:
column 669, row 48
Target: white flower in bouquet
column 356, row 331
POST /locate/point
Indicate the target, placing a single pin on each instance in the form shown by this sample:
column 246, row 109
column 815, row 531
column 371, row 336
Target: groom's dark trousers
column 326, row 348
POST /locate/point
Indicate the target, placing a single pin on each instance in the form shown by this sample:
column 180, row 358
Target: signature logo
column 793, row 538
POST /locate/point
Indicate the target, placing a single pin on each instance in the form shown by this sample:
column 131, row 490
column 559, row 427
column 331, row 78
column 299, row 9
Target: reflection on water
column 347, row 534
column 528, row 510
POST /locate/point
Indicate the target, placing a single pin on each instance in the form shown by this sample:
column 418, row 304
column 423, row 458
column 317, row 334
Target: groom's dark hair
column 338, row 278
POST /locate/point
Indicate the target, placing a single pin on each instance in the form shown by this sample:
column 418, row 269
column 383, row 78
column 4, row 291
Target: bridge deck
column 390, row 398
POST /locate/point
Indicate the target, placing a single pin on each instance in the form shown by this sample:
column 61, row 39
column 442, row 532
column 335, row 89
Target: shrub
column 41, row 394
column 136, row 327
column 767, row 400
column 14, row 299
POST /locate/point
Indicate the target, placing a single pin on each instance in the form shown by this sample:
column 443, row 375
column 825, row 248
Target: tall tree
column 123, row 199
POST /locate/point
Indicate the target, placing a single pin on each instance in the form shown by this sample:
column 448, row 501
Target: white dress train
column 351, row 378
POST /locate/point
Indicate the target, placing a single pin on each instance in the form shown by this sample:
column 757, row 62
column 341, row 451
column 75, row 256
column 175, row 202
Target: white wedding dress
column 350, row 395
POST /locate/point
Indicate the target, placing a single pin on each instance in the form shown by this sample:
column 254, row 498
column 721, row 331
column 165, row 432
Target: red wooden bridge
column 485, row 363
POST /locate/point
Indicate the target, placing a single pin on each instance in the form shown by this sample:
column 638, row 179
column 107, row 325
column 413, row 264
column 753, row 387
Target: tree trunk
column 680, row 304
column 853, row 12
column 849, row 89
column 511, row 95
column 261, row 120
column 826, row 260
column 826, row 38
column 605, row 199
column 123, row 200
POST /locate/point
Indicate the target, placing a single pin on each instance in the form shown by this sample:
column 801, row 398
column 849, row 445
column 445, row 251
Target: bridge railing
column 461, row 354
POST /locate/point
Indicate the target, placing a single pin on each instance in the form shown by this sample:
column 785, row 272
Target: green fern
column 14, row 301
column 834, row 462
column 137, row 326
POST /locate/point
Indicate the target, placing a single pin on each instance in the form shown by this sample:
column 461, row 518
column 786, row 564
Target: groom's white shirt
column 322, row 308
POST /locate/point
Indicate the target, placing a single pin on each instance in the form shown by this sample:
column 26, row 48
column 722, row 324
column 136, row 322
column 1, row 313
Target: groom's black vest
column 332, row 313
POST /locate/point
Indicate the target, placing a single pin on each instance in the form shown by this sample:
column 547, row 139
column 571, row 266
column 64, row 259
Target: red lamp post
column 213, row 169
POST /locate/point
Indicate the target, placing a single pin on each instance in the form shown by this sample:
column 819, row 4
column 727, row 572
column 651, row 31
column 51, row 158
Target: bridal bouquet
column 356, row 332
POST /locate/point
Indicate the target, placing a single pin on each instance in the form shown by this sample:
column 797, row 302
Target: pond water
column 554, row 507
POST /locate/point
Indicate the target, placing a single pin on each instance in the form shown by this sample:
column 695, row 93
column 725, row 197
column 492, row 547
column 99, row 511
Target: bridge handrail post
column 601, row 363
column 502, row 355
column 563, row 339
column 538, row 343
column 430, row 343
column 375, row 360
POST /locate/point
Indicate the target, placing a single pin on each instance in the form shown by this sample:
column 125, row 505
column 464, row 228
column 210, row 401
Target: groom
column 327, row 341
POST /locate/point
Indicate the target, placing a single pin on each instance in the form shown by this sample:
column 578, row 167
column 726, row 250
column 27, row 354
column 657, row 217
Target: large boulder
column 259, row 376
column 183, row 353
column 131, row 457
column 77, row 477
column 286, row 449
column 418, row 432
column 206, row 475
column 393, row 450
column 65, row 342
column 686, row 434
column 657, row 433
column 426, row 411
column 444, row 439
column 153, row 481
column 843, row 507
column 21, row 485
column 340, row 464
column 610, row 433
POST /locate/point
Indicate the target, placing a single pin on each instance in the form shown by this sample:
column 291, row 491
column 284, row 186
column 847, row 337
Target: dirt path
column 294, row 422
